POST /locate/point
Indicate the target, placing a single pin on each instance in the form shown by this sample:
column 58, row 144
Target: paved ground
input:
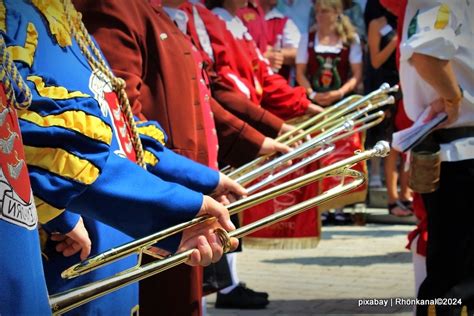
column 351, row 263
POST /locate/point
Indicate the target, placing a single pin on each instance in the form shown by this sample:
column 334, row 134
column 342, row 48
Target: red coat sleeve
column 261, row 119
column 239, row 142
column 232, row 91
column 225, row 51
column 278, row 96
column 281, row 99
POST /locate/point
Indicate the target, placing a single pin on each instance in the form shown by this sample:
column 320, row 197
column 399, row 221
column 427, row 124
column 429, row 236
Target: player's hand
column 74, row 241
column 228, row 190
column 270, row 146
column 314, row 109
column 202, row 238
column 449, row 107
column 275, row 58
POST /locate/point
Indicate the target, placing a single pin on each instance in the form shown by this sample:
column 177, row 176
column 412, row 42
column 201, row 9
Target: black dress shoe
column 342, row 218
column 262, row 294
column 327, row 218
column 241, row 298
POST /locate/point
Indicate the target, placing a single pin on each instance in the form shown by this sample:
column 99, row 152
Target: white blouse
column 355, row 54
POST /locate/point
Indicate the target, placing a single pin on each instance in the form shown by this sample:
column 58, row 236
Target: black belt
column 444, row 136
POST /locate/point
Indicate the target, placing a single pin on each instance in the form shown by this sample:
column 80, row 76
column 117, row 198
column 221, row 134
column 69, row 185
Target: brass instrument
column 65, row 301
column 318, row 141
column 238, row 206
column 324, row 123
column 357, row 121
column 337, row 110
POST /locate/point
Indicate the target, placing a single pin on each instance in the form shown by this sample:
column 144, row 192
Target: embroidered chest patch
column 16, row 198
column 109, row 105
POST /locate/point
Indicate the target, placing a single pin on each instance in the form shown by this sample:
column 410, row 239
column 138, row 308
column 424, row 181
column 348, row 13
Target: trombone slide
column 66, row 301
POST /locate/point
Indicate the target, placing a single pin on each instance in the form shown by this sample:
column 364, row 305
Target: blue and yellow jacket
column 77, row 144
column 22, row 283
column 71, row 138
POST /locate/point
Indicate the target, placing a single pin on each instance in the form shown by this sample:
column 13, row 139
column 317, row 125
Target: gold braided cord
column 8, row 74
column 96, row 61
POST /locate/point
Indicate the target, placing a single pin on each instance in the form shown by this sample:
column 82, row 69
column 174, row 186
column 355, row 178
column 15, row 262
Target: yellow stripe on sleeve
column 46, row 212
column 26, row 53
column 149, row 158
column 78, row 121
column 54, row 92
column 153, row 132
column 62, row 163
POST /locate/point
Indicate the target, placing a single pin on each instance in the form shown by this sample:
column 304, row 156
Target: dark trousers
column 450, row 252
column 176, row 292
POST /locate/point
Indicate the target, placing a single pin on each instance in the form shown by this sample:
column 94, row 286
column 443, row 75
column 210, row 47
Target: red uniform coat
column 145, row 47
column 155, row 60
column 254, row 19
column 232, row 100
column 241, row 59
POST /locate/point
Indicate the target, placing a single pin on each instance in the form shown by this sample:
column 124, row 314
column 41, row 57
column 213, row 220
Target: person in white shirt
column 437, row 75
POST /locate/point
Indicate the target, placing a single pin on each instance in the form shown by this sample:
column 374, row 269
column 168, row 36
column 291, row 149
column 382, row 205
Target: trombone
column 366, row 122
column 68, row 300
column 350, row 108
column 358, row 121
column 115, row 254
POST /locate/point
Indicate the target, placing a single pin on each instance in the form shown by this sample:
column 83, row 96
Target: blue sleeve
column 70, row 137
column 63, row 223
column 136, row 202
column 173, row 167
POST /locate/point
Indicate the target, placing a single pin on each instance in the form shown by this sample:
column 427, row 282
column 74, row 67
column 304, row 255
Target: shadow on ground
column 389, row 258
column 348, row 306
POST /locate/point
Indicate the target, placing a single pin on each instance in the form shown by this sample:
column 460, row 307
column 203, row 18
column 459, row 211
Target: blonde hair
column 344, row 28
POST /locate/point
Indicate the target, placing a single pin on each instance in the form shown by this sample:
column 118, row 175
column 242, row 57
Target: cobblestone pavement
column 351, row 263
